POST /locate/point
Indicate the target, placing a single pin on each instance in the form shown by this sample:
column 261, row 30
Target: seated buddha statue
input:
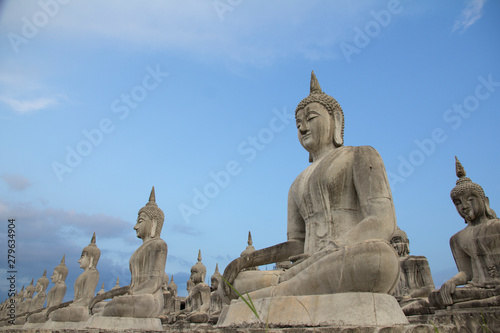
column 198, row 300
column 340, row 217
column 41, row 295
column 55, row 295
column 476, row 250
column 415, row 279
column 85, row 286
column 144, row 297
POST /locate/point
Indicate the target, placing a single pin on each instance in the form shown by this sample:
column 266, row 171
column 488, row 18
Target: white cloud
column 15, row 183
column 470, row 14
column 26, row 106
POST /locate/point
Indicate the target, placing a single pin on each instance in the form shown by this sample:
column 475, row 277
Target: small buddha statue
column 340, row 217
column 41, row 295
column 198, row 300
column 144, row 298
column 415, row 279
column 85, row 286
column 249, row 249
column 476, row 250
column 215, row 300
column 172, row 287
column 28, row 299
column 55, row 295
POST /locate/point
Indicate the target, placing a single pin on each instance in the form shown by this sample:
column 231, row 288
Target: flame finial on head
column 250, row 241
column 315, row 88
column 459, row 169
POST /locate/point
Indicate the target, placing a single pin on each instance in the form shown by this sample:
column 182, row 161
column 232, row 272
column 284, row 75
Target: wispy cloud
column 470, row 14
column 26, row 106
column 16, row 182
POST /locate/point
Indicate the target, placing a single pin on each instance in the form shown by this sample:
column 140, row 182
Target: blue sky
column 100, row 101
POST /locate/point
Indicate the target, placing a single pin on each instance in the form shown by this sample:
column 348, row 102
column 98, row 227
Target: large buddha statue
column 144, row 298
column 340, row 217
column 55, row 295
column 476, row 250
column 85, row 286
column 340, row 214
column 415, row 279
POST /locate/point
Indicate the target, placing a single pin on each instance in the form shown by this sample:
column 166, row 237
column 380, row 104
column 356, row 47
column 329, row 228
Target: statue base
column 51, row 325
column 344, row 309
column 124, row 323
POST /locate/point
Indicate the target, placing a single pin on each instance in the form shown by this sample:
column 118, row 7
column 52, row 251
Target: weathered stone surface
column 144, row 297
column 415, row 279
column 342, row 309
column 476, row 250
column 124, row 323
column 84, row 288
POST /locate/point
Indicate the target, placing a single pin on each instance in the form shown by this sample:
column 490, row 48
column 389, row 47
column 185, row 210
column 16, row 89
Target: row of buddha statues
column 342, row 237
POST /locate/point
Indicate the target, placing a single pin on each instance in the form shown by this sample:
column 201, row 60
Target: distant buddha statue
column 41, row 295
column 85, row 286
column 144, row 298
column 415, row 279
column 28, row 299
column 340, row 217
column 476, row 250
column 249, row 249
column 215, row 300
column 172, row 287
column 198, row 300
column 55, row 295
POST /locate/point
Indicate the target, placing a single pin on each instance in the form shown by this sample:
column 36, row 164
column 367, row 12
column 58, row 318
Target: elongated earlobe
column 153, row 229
column 91, row 263
column 338, row 138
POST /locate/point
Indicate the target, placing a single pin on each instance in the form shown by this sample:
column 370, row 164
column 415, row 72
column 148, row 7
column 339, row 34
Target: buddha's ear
column 338, row 120
column 91, row 262
column 490, row 213
column 153, row 229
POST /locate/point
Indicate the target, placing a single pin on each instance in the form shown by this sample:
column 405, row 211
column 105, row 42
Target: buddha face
column 315, row 127
column 38, row 287
column 56, row 276
column 196, row 275
column 143, row 226
column 400, row 245
column 84, row 261
column 470, row 206
column 214, row 283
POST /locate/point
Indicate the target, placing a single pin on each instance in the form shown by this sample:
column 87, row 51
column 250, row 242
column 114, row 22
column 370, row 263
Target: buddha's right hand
column 447, row 289
column 230, row 273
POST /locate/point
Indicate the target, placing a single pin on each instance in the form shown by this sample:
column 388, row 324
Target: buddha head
column 401, row 243
column 469, row 198
column 319, row 119
column 90, row 255
column 150, row 219
column 198, row 271
column 60, row 272
column 215, row 278
column 42, row 283
column 172, row 287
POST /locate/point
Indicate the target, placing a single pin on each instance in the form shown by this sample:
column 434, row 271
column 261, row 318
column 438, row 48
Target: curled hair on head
column 62, row 269
column 152, row 210
column 92, row 251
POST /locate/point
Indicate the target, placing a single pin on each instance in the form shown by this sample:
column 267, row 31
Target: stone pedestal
column 124, row 323
column 345, row 309
column 50, row 325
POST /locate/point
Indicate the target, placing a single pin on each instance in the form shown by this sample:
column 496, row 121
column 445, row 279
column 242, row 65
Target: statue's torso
column 143, row 265
column 326, row 197
column 56, row 294
column 85, row 286
column 482, row 244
